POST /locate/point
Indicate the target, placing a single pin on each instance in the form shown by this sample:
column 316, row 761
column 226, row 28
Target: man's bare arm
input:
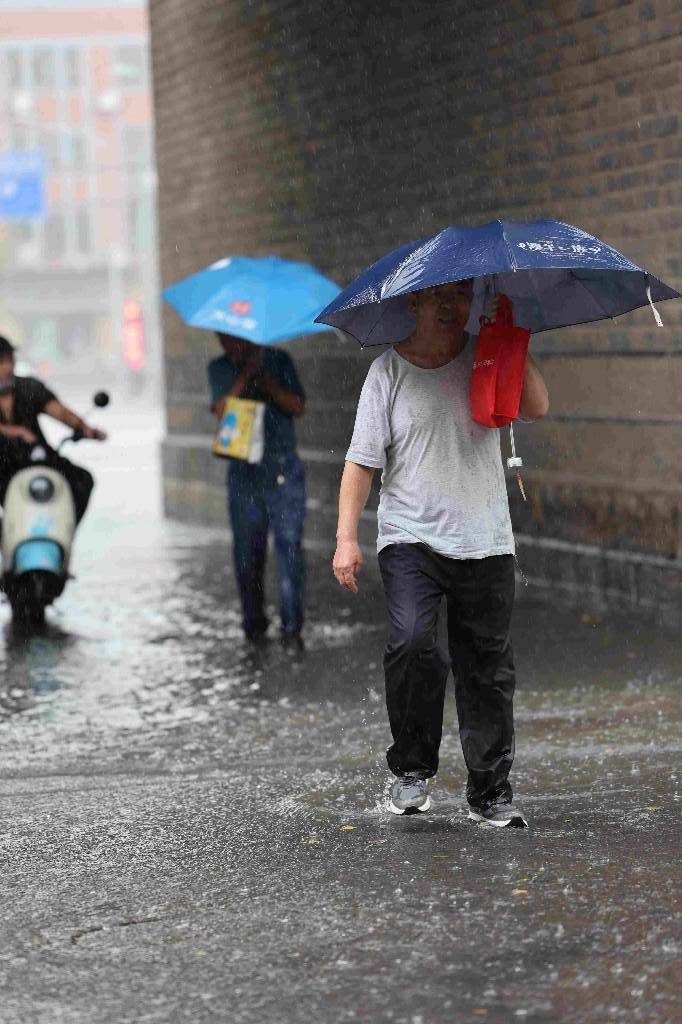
column 356, row 484
column 17, row 433
column 534, row 398
column 250, row 369
column 240, row 382
column 57, row 411
column 289, row 402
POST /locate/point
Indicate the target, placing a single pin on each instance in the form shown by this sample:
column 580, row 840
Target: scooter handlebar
column 76, row 436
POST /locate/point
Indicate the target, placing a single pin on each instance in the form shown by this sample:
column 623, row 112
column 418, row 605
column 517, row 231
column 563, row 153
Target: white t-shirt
column 443, row 482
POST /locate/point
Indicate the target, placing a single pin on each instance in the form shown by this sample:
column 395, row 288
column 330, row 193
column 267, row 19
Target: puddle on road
column 143, row 663
column 144, row 708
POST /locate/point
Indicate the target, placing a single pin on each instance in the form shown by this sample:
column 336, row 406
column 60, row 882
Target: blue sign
column 22, row 185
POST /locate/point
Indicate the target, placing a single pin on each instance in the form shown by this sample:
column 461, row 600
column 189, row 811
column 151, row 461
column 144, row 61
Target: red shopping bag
column 499, row 365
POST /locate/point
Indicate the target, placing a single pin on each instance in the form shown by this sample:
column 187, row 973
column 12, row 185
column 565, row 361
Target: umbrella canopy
column 263, row 300
column 555, row 274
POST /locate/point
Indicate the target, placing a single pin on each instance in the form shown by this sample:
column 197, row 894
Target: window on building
column 24, row 231
column 72, row 67
column 26, row 246
column 54, row 238
column 129, row 66
column 83, row 230
column 44, row 69
column 134, row 224
column 21, row 136
column 77, row 151
column 137, row 146
column 14, row 69
column 140, row 223
column 50, row 145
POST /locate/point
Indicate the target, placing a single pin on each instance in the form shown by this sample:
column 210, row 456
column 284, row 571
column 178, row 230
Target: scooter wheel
column 28, row 614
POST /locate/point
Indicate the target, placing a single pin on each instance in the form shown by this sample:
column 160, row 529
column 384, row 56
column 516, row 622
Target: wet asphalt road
column 189, row 834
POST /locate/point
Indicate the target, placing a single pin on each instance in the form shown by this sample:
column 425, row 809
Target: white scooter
column 38, row 524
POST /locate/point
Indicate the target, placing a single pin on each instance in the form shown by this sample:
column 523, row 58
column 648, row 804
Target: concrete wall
column 334, row 131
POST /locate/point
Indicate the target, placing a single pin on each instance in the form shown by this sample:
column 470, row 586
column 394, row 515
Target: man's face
column 444, row 308
column 236, row 349
column 6, row 371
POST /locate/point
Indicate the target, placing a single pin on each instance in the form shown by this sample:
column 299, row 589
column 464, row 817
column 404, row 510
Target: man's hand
column 248, row 371
column 57, row 411
column 27, row 435
column 20, row 434
column 495, row 305
column 353, row 493
column 93, row 433
column 347, row 564
column 286, row 401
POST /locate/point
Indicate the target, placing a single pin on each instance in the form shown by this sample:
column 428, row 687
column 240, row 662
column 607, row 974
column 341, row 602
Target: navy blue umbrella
column 555, row 274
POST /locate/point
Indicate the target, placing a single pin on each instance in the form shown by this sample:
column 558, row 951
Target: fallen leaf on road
column 347, row 828
column 519, row 892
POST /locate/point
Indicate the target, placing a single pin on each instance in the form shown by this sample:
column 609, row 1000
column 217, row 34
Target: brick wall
column 331, row 132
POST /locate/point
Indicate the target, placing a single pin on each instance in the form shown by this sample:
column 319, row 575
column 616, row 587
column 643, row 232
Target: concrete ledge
column 603, row 578
column 594, row 575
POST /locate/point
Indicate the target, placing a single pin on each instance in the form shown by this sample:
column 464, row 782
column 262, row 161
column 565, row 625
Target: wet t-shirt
column 443, row 481
column 30, row 398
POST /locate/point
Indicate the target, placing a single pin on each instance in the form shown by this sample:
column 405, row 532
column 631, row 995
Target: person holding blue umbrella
column 444, row 530
column 270, row 493
column 252, row 304
column 444, row 526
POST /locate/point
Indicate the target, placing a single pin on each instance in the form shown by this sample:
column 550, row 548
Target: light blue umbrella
column 554, row 273
column 263, row 300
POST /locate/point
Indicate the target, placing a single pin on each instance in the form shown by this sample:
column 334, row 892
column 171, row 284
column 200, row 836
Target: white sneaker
column 501, row 815
column 409, row 795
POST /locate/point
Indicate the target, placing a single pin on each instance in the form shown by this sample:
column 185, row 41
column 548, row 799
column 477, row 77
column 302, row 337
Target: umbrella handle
column 502, row 311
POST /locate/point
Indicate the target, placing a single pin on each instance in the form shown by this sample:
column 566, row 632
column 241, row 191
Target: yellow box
column 240, row 435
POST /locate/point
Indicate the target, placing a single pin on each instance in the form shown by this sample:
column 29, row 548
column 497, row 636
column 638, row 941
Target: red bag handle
column 505, row 313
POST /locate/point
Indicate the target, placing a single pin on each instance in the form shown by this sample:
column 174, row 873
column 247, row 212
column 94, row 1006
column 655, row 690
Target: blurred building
column 78, row 268
column 333, row 132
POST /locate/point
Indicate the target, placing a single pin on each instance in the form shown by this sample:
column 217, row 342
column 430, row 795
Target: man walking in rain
column 270, row 493
column 444, row 531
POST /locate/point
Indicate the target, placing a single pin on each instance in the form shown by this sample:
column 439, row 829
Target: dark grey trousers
column 480, row 597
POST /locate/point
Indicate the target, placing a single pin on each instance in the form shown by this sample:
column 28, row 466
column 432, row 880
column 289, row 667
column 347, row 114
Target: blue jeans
column 271, row 493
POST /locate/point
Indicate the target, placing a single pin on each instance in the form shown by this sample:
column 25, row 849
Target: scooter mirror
column 101, row 399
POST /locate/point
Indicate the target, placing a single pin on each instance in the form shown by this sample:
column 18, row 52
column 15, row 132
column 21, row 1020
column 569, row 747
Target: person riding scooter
column 22, row 399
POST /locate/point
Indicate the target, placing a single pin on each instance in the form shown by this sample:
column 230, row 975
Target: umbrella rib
column 607, row 316
column 380, row 314
column 510, row 252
